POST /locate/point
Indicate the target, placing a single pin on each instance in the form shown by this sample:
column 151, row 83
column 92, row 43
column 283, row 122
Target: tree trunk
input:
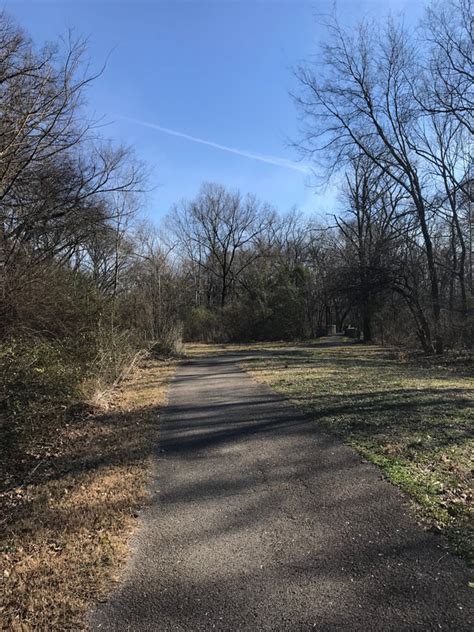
column 434, row 285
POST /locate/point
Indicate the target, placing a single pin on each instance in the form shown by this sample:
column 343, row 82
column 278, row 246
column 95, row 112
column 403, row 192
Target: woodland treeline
column 386, row 114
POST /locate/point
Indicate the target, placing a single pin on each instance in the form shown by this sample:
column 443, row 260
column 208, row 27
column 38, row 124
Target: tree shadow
column 261, row 521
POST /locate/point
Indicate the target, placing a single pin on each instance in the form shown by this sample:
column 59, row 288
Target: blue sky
column 216, row 71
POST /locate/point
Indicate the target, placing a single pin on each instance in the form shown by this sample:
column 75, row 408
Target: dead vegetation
column 65, row 526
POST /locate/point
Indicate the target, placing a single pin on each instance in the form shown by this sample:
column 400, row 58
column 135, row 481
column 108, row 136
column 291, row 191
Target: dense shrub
column 41, row 379
column 38, row 382
column 204, row 325
column 106, row 355
column 170, row 343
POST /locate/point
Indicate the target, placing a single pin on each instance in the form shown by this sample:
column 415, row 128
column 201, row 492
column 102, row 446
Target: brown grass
column 66, row 526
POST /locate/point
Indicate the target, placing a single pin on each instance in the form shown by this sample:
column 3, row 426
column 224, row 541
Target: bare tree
column 368, row 99
column 369, row 228
column 448, row 29
column 216, row 231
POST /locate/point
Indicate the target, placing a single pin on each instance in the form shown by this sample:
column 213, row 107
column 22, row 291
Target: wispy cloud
column 271, row 160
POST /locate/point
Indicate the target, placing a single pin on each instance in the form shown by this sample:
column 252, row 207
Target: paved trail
column 261, row 522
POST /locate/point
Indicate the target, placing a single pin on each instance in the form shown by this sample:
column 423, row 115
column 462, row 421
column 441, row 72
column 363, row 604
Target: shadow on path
column 262, row 522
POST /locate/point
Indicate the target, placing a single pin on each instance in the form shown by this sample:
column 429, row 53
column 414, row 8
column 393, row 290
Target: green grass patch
column 409, row 415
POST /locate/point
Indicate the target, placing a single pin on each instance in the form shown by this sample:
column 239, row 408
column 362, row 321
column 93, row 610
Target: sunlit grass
column 410, row 416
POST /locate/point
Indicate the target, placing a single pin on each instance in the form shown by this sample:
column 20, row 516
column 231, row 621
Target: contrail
column 271, row 160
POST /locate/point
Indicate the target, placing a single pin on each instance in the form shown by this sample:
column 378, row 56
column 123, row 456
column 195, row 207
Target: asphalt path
column 260, row 521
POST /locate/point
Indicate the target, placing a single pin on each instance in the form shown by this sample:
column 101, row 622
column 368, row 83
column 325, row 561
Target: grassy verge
column 65, row 525
column 410, row 415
